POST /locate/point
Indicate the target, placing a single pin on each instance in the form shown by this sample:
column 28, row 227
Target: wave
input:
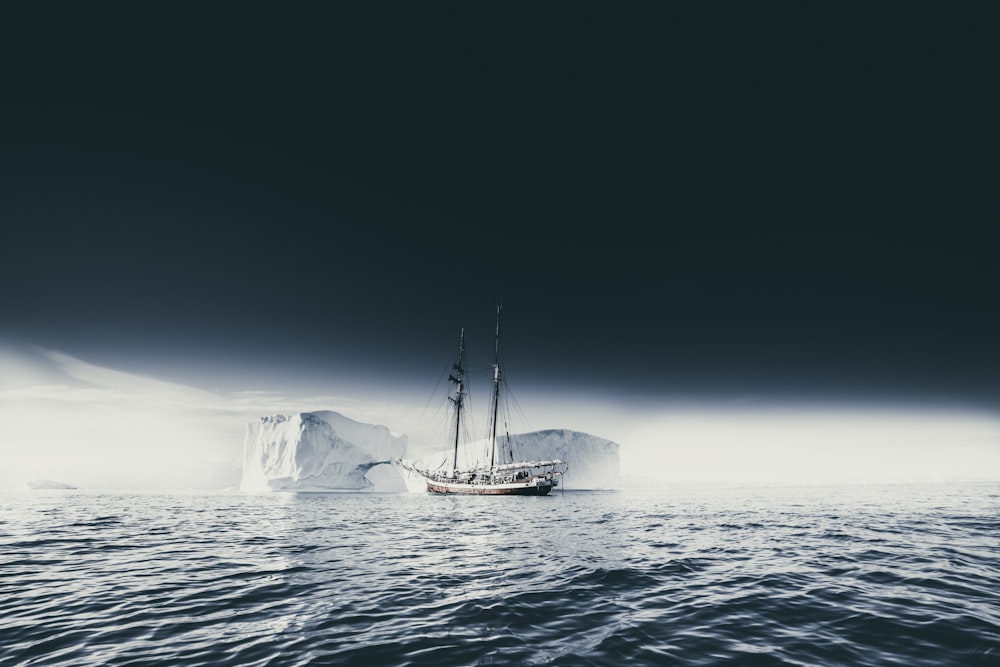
column 905, row 575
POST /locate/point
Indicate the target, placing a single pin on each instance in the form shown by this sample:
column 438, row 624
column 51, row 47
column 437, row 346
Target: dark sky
column 774, row 201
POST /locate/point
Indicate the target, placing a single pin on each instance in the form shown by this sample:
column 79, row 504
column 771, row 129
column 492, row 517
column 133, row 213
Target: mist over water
column 700, row 575
column 72, row 421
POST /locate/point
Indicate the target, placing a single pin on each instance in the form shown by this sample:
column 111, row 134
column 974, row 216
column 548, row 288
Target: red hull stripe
column 489, row 490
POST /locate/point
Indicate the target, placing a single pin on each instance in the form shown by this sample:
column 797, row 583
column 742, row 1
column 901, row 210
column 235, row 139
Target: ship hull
column 529, row 488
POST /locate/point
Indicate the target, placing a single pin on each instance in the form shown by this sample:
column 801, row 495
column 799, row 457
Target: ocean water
column 850, row 575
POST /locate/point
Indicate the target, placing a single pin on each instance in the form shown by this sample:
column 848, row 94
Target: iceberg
column 593, row 461
column 320, row 451
column 48, row 485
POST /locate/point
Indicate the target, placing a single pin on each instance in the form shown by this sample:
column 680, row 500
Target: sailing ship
column 499, row 474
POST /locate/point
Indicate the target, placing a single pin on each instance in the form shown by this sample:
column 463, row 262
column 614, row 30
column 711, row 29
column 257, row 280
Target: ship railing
column 530, row 464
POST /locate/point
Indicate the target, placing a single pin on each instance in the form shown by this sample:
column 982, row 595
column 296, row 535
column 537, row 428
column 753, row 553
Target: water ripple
column 699, row 576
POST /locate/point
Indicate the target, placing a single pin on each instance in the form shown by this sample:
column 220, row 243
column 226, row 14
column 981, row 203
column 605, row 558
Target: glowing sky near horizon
column 100, row 427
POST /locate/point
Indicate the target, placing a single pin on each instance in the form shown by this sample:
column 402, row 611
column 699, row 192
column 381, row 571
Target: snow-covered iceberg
column 320, row 451
column 593, row 461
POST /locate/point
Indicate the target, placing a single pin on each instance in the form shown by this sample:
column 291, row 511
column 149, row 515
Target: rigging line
column 520, row 411
column 430, row 426
column 442, row 401
column 437, row 386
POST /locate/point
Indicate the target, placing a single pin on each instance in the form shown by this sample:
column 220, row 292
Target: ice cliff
column 319, row 451
column 593, row 461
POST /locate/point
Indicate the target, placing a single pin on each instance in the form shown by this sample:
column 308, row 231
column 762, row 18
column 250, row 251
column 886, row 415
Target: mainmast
column 459, row 381
column 496, row 393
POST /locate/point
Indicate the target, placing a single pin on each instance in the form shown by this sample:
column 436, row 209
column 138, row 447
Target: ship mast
column 459, row 395
column 496, row 393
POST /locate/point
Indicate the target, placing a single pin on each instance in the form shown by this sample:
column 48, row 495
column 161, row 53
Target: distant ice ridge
column 48, row 484
column 320, row 451
column 593, row 461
